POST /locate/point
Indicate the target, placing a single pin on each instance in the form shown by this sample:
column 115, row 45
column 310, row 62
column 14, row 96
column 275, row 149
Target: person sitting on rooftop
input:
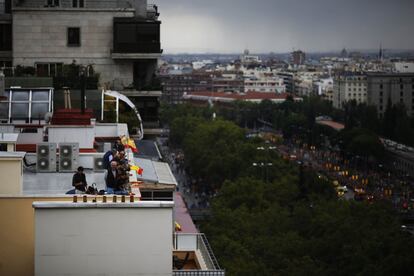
column 110, row 177
column 79, row 181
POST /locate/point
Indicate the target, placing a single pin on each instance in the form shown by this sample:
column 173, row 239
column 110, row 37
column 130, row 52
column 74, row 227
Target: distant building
column 288, row 81
column 220, row 98
column 247, row 59
column 298, row 58
column 228, row 82
column 344, row 53
column 396, row 87
column 174, row 86
column 264, row 84
column 349, row 86
column 404, row 67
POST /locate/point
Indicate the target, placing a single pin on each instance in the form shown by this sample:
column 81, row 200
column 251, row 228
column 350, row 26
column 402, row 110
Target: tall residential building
column 298, row 57
column 397, row 87
column 349, row 86
column 121, row 39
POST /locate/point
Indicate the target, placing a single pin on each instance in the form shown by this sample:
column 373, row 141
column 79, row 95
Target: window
column 380, row 101
column 401, row 94
column 381, row 86
column 381, row 93
column 49, row 69
column 401, row 86
column 52, row 3
column 7, row 6
column 74, row 36
column 78, row 3
column 5, row 37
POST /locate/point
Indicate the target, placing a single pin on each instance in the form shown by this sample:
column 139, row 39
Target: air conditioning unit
column 98, row 163
column 68, row 157
column 46, row 157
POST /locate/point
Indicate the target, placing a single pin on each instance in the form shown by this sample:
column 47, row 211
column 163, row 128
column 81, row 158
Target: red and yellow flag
column 138, row 169
column 131, row 145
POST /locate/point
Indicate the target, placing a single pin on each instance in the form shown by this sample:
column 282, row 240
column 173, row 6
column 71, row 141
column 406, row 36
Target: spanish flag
column 131, row 145
column 138, row 169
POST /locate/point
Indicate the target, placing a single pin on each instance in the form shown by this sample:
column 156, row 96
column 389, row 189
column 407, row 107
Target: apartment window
column 53, row 3
column 5, row 37
column 401, row 94
column 381, row 86
column 381, row 93
column 78, row 3
column 74, row 36
column 7, row 6
column 401, row 86
column 48, row 69
column 380, row 101
column 401, row 101
column 380, row 108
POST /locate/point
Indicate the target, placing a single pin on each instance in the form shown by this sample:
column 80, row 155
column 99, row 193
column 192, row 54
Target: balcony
column 136, row 39
column 193, row 256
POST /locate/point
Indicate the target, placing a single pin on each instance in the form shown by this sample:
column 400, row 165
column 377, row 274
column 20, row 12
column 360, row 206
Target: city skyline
column 281, row 26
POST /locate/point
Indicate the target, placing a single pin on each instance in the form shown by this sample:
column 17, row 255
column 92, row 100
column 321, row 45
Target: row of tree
column 282, row 219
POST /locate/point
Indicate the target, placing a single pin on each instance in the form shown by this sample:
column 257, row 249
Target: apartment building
column 396, row 87
column 349, row 86
column 117, row 41
column 175, row 86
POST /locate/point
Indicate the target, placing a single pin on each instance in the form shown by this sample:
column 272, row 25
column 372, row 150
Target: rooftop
column 8, row 137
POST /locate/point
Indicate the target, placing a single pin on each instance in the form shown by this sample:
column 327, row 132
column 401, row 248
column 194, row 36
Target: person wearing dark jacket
column 118, row 146
column 79, row 181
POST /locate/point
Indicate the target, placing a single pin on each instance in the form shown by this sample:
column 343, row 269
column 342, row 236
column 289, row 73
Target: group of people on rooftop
column 116, row 173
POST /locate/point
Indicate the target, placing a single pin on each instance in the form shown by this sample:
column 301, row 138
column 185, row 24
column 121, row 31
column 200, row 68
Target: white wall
column 111, row 130
column 103, row 241
column 84, row 135
column 31, row 138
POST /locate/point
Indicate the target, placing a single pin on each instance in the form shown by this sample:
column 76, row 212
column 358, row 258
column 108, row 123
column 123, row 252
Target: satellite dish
column 48, row 117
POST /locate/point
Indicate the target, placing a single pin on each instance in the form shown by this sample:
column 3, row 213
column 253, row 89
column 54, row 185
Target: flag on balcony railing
column 129, row 143
column 138, row 169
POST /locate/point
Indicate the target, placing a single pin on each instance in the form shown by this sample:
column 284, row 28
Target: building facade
column 395, row 87
column 348, row 87
column 120, row 39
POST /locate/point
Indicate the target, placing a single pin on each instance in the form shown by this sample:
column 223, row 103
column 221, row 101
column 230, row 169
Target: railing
column 196, row 241
column 139, row 47
column 207, row 252
column 198, row 273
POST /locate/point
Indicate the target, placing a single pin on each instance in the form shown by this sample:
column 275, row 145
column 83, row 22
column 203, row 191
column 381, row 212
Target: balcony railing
column 198, row 273
column 141, row 47
column 194, row 242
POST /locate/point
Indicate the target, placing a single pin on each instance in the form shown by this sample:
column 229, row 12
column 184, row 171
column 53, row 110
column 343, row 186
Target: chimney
column 140, row 8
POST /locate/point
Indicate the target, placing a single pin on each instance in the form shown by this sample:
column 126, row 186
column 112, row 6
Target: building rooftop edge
column 90, row 205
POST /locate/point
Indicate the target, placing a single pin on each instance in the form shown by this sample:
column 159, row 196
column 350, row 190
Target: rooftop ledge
column 60, row 9
column 136, row 55
column 89, row 205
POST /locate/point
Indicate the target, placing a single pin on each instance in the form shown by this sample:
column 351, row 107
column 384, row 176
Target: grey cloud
column 280, row 25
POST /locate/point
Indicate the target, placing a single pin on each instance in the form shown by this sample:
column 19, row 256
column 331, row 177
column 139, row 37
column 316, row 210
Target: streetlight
column 263, row 165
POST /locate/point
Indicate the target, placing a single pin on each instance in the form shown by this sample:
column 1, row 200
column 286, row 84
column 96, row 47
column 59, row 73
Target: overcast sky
column 229, row 26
